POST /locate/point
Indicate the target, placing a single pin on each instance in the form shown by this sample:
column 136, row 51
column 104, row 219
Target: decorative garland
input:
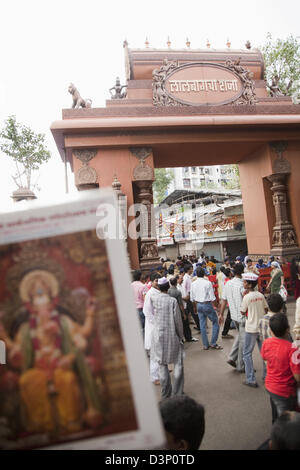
column 223, row 224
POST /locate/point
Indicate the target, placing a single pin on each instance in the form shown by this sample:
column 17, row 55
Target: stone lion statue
column 77, row 100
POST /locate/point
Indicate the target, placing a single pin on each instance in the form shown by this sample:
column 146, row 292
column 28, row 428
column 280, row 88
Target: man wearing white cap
column 167, row 340
column 254, row 306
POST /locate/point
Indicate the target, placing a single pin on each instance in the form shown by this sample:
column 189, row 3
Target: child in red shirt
column 283, row 367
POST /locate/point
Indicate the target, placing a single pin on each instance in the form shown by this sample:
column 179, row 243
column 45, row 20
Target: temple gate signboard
column 197, row 84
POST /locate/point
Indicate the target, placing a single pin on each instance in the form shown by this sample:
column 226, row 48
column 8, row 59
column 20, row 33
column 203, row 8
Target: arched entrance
column 194, row 107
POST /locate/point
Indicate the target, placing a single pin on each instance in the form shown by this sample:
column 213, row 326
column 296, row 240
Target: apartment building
column 200, row 177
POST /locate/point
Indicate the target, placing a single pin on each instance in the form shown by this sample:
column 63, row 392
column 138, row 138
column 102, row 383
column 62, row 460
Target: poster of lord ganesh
column 66, row 373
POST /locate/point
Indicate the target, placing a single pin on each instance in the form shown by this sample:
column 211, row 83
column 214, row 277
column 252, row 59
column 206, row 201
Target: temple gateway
column 193, row 107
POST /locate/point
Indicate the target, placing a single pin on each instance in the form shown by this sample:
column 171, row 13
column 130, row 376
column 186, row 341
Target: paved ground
column 237, row 417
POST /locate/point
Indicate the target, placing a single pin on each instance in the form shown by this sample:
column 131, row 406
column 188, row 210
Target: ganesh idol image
column 57, row 391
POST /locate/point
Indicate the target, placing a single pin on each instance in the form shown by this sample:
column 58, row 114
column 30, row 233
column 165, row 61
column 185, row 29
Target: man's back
column 202, row 291
column 168, row 329
column 139, row 290
column 254, row 304
column 175, row 293
column 233, row 293
column 279, row 353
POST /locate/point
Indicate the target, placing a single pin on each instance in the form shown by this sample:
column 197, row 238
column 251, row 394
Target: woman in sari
column 276, row 281
column 295, row 273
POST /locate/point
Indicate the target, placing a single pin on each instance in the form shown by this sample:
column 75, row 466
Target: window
column 186, row 183
column 194, row 170
column 186, row 171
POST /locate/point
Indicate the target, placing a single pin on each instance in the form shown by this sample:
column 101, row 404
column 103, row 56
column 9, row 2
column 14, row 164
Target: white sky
column 46, row 44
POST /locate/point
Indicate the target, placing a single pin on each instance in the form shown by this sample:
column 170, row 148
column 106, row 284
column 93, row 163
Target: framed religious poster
column 73, row 373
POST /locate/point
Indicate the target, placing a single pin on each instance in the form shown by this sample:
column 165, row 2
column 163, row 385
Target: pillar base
column 285, row 253
column 149, row 255
column 84, row 187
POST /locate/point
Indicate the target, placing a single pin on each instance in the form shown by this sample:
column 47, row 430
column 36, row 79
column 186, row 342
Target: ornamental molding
column 248, row 96
column 86, row 155
column 142, row 172
column 85, row 174
column 149, row 250
column 280, row 164
column 141, row 153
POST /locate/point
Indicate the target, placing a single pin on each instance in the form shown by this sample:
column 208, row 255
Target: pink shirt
column 139, row 290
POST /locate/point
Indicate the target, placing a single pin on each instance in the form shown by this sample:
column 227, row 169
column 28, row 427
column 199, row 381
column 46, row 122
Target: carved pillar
column 122, row 215
column 86, row 177
column 284, row 240
column 143, row 177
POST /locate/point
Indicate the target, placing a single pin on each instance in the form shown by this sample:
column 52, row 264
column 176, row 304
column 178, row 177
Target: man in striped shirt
column 233, row 294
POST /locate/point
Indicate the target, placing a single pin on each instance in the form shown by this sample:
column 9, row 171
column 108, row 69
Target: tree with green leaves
column 233, row 174
column 282, row 63
column 25, row 148
column 163, row 178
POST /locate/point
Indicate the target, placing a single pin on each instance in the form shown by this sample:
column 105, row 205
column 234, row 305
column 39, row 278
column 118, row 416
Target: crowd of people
column 181, row 296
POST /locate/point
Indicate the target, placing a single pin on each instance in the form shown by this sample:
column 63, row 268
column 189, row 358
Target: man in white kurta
column 149, row 313
column 167, row 341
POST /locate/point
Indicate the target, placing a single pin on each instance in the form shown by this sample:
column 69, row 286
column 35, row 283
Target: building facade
column 189, row 222
column 196, row 177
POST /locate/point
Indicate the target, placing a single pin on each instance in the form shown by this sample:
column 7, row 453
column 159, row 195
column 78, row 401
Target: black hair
column 184, row 418
column 173, row 281
column 154, row 276
column 171, row 270
column 222, row 269
column 285, row 434
column 137, row 275
column 227, row 272
column 279, row 324
column 200, row 272
column 238, row 269
column 253, row 284
column 295, row 267
column 214, row 271
column 260, row 261
column 187, row 267
column 145, row 276
column 275, row 302
column 164, row 287
column 249, row 260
